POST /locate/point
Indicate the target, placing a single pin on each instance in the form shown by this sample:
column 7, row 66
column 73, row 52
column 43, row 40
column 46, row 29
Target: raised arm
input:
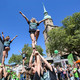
column 45, row 61
column 30, row 61
column 38, row 64
column 42, row 20
column 3, row 36
column 19, row 52
column 13, row 38
column 24, row 16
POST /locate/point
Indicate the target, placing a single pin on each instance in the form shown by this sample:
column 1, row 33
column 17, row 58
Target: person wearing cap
column 34, row 32
column 6, row 42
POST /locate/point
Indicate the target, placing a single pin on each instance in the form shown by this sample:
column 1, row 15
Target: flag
column 70, row 59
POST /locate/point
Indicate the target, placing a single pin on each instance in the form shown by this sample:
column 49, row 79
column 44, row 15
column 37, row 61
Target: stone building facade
column 48, row 24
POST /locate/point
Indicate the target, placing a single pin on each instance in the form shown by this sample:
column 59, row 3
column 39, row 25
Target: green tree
column 15, row 59
column 28, row 50
column 66, row 37
column 56, row 38
column 72, row 27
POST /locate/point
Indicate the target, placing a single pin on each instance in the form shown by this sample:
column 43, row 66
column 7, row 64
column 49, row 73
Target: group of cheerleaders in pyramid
column 34, row 33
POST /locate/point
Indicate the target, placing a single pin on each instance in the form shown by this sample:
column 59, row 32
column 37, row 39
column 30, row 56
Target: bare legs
column 24, row 61
column 0, row 73
column 5, row 54
column 37, row 34
column 3, row 70
column 5, row 73
column 33, row 38
column 3, row 58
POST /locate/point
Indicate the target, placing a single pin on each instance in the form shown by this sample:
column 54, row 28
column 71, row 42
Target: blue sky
column 12, row 23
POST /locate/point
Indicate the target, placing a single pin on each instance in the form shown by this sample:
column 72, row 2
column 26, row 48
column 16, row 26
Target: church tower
column 48, row 24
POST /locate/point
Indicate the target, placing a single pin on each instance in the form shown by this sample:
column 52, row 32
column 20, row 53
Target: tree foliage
column 67, row 36
column 28, row 50
column 56, row 40
column 15, row 59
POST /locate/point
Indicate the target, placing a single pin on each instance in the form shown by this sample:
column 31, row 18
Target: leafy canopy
column 66, row 37
column 28, row 50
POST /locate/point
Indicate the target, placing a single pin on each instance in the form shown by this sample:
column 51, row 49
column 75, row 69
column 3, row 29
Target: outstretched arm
column 45, row 61
column 30, row 61
column 42, row 20
column 19, row 52
column 24, row 16
column 38, row 64
column 3, row 36
column 13, row 38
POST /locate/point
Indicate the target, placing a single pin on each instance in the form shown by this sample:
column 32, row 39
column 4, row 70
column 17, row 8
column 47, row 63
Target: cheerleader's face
column 33, row 20
column 7, row 38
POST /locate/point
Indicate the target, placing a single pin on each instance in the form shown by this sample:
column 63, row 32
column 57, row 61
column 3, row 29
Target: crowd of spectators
column 40, row 69
column 68, row 73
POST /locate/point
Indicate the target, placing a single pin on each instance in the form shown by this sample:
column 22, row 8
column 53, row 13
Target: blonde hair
column 7, row 37
column 33, row 19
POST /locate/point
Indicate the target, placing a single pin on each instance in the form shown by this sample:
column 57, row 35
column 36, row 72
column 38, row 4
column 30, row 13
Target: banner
column 70, row 59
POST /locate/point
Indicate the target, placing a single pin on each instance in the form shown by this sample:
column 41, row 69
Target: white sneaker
column 35, row 42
